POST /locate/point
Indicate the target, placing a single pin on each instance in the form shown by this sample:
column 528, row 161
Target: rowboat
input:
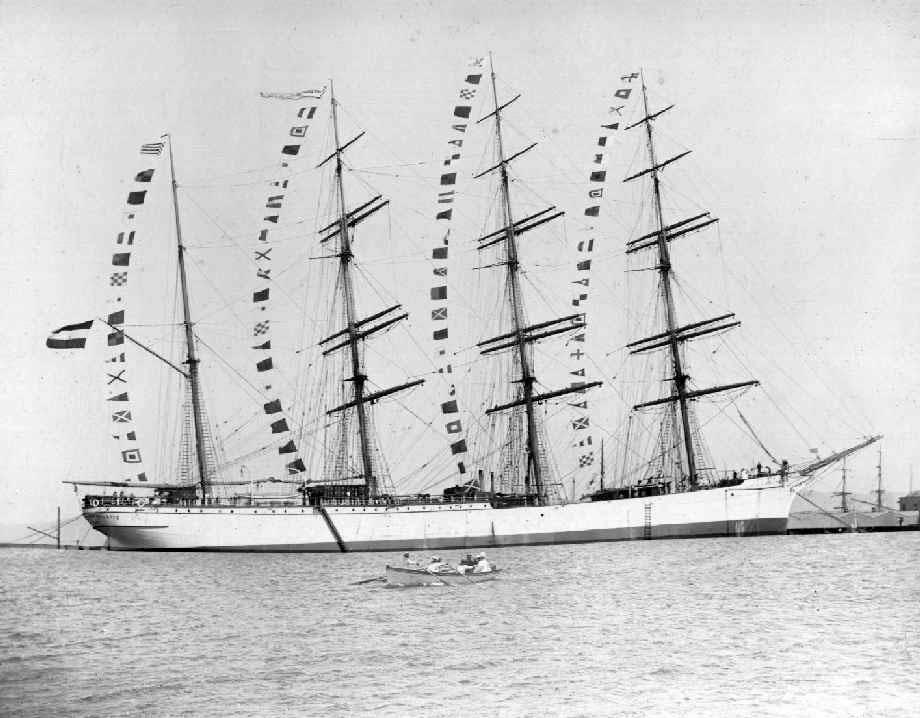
column 398, row 576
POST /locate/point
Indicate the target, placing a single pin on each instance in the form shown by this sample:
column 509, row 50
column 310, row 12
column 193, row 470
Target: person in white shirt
column 482, row 564
column 436, row 565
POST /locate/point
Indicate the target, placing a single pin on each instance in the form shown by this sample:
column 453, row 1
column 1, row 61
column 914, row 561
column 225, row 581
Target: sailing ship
column 353, row 507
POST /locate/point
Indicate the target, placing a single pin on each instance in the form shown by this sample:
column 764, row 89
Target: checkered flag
column 260, row 328
column 585, row 460
column 467, row 94
column 118, row 279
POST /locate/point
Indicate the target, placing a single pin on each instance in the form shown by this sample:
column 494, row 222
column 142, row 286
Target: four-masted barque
column 357, row 512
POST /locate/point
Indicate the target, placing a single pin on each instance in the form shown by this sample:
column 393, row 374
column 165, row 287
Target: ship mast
column 346, row 256
column 843, row 493
column 674, row 335
column 878, row 491
column 192, row 357
column 356, row 328
column 521, row 335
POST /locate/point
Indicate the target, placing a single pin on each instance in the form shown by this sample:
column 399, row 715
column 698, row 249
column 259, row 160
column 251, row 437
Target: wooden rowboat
column 398, row 576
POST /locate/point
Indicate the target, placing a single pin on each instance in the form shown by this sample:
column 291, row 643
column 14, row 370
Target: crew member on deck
column 409, row 561
column 482, row 564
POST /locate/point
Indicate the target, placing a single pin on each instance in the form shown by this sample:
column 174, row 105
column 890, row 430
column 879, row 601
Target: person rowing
column 436, row 565
column 482, row 564
column 466, row 564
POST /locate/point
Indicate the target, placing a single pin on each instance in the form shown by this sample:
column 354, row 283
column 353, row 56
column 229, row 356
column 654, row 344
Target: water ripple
column 772, row 626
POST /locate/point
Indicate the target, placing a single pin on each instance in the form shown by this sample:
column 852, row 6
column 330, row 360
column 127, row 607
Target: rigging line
column 267, row 181
column 804, row 356
column 730, row 348
column 266, row 168
column 252, row 262
column 227, row 364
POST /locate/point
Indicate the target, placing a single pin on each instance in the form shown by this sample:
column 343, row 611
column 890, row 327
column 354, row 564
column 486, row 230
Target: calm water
column 772, row 626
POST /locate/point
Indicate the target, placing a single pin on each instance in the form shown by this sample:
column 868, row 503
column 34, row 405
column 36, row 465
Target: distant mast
column 520, row 336
column 192, row 357
column 843, row 493
column 674, row 335
column 878, row 490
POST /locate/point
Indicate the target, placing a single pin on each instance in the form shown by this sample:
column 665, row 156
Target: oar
column 368, row 580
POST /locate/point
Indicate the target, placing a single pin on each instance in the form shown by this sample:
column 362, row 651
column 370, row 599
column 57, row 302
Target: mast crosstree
column 356, row 328
column 521, row 336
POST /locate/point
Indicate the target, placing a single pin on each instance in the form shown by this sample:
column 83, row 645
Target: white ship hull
column 755, row 507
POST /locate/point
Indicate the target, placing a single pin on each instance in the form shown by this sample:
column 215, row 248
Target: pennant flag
column 299, row 95
column 279, row 426
column 152, row 148
column 144, row 176
column 70, row 336
column 296, row 467
column 272, row 407
column 290, row 149
column 614, row 126
column 119, row 397
column 266, row 345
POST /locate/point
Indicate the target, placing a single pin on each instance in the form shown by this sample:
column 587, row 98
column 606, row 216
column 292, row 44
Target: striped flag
column 152, row 148
column 70, row 336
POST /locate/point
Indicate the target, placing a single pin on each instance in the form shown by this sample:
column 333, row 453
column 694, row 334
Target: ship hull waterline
column 736, row 511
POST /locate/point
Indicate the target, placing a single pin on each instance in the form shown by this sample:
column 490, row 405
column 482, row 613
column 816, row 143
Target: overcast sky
column 803, row 119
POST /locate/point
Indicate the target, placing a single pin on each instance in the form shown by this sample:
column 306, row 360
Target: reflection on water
column 772, row 626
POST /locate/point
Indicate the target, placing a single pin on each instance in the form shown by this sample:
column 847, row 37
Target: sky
column 802, row 118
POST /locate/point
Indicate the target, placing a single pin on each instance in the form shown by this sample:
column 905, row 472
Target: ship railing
column 118, row 501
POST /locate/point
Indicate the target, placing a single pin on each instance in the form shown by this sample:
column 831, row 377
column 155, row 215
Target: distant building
column 911, row 502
